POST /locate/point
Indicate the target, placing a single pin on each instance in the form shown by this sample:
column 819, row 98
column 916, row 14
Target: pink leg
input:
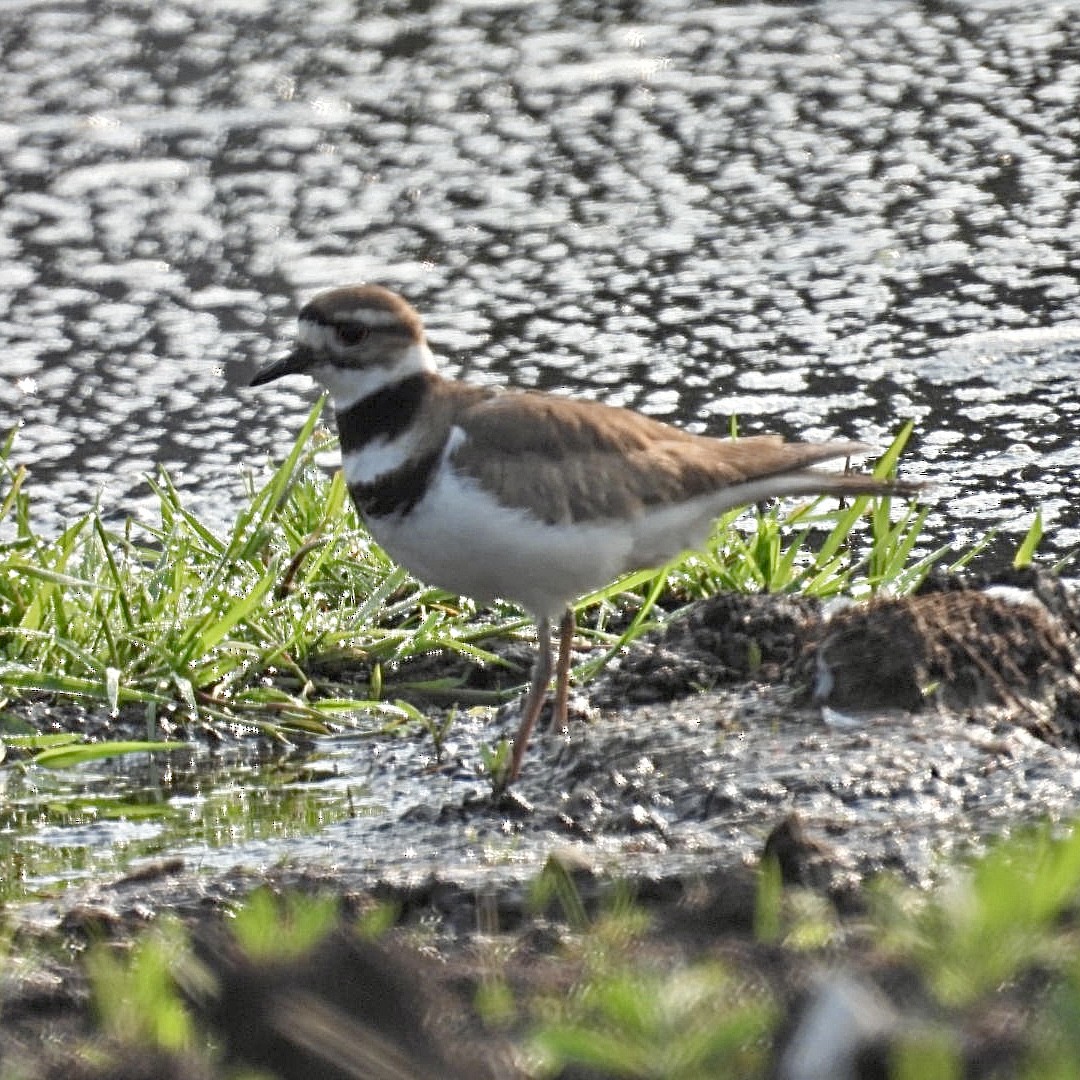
column 534, row 700
column 562, row 670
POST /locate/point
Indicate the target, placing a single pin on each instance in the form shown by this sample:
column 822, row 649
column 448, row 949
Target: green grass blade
column 216, row 632
column 66, row 757
column 285, row 473
column 1026, row 551
column 21, row 677
column 887, row 464
column 173, row 512
column 114, row 572
column 53, row 577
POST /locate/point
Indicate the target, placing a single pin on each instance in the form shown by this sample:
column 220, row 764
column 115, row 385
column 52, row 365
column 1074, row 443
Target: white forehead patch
column 316, row 336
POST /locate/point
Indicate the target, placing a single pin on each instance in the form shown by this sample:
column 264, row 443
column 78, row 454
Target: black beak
column 296, row 363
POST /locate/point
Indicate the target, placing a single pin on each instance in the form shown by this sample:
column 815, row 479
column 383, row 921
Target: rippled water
column 824, row 218
column 81, row 825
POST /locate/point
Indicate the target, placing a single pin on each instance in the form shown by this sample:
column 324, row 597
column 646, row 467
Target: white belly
column 458, row 538
column 461, row 540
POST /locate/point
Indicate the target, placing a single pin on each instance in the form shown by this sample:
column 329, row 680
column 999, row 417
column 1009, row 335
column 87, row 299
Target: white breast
column 459, row 538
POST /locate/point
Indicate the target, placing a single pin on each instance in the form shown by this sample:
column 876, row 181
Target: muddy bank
column 677, row 799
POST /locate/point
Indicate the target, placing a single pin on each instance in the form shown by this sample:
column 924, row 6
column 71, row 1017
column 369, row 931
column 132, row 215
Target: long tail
column 822, row 482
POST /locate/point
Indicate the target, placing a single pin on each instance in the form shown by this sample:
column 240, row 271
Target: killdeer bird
column 525, row 496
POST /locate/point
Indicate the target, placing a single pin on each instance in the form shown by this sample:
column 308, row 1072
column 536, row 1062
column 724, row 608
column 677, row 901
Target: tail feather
column 812, row 482
column 663, row 532
column 821, row 482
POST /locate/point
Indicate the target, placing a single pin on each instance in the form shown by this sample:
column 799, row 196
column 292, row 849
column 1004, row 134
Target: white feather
column 366, row 465
column 661, row 534
column 316, row 336
column 459, row 538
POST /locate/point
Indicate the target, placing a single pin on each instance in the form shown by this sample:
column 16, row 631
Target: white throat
column 347, row 386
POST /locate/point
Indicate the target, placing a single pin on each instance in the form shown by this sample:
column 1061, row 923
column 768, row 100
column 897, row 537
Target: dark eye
column 351, row 333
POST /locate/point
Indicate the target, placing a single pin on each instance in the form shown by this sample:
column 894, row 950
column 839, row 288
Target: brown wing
column 574, row 461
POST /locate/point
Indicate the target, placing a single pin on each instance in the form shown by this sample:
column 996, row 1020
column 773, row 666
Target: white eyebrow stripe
column 371, row 317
